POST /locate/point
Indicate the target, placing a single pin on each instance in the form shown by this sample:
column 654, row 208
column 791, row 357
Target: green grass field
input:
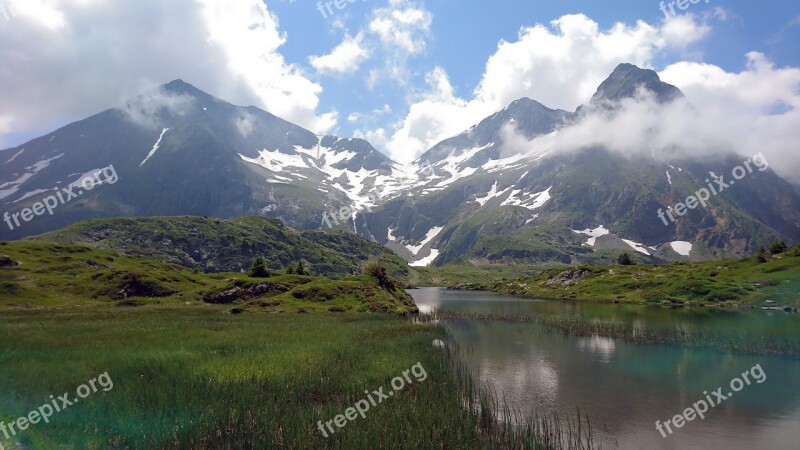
column 711, row 283
column 198, row 377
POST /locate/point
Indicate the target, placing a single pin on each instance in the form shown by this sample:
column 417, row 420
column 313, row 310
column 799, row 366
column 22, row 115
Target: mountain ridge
column 485, row 195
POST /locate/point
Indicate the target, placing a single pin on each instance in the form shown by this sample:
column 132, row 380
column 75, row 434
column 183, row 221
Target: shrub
column 625, row 259
column 778, row 247
column 377, row 270
column 258, row 269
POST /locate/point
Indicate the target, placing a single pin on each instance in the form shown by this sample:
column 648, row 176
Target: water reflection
column 626, row 387
column 601, row 347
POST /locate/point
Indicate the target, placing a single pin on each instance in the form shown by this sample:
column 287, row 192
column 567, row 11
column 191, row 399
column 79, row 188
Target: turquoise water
column 626, row 387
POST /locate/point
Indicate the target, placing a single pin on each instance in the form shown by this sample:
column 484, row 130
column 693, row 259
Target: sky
column 402, row 74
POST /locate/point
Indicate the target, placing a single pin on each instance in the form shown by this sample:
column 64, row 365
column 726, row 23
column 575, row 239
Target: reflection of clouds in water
column 639, row 327
column 427, row 299
column 600, row 346
column 534, row 379
column 426, row 309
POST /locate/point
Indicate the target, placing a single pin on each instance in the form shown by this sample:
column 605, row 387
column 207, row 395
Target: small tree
column 301, row 268
column 258, row 269
column 290, row 270
column 778, row 247
column 377, row 270
column 762, row 256
column 625, row 259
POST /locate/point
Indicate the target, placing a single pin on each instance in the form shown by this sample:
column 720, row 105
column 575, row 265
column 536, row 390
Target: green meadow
column 202, row 361
column 199, row 377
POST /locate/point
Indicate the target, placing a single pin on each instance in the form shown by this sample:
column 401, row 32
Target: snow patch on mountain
column 31, row 194
column 594, row 234
column 637, row 246
column 11, row 187
column 527, row 200
column 432, row 233
column 493, row 193
column 155, row 147
column 15, row 156
column 682, row 248
column 426, row 261
column 511, row 162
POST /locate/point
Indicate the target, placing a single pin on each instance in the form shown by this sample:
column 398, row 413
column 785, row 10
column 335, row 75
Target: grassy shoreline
column 710, row 284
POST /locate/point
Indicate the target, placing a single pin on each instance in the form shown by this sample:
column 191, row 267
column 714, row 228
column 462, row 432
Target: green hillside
column 37, row 274
column 216, row 245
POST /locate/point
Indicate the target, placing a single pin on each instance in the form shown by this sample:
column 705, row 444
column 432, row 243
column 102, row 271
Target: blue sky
column 463, row 35
column 425, row 69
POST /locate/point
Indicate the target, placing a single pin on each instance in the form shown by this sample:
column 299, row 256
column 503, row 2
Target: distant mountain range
column 473, row 197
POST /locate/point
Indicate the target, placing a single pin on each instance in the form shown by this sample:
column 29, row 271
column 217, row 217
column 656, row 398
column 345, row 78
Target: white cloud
column 245, row 124
column 757, row 109
column 79, row 57
column 402, row 29
column 143, row 110
column 559, row 66
column 402, row 25
column 754, row 111
column 345, row 58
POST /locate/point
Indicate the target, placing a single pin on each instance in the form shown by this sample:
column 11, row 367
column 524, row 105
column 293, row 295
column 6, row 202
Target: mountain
column 180, row 151
column 498, row 198
column 627, row 79
column 214, row 245
column 500, row 192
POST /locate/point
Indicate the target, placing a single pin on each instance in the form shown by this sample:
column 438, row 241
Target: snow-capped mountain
column 180, row 151
column 498, row 192
column 504, row 195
